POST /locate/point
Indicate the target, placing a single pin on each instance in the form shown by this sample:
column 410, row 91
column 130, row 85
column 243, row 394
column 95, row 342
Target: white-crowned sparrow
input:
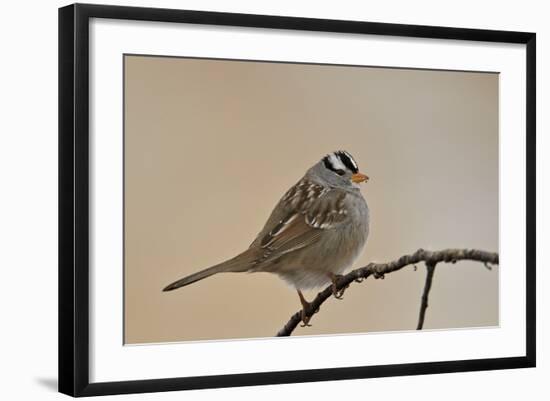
column 316, row 231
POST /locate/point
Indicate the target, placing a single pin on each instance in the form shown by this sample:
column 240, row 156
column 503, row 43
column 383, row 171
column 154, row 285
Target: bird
column 315, row 232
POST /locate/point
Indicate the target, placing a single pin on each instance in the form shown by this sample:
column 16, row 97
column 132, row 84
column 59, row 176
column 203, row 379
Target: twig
column 430, row 269
column 378, row 270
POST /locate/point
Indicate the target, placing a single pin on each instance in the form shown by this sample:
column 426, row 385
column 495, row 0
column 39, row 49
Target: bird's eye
column 340, row 172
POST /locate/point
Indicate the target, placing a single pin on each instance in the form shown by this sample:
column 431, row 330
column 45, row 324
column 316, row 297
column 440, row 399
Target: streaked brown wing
column 291, row 233
column 301, row 227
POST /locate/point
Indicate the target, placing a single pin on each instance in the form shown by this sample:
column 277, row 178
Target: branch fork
column 379, row 270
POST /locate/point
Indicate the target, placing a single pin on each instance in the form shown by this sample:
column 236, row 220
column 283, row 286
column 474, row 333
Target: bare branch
column 430, row 269
column 378, row 270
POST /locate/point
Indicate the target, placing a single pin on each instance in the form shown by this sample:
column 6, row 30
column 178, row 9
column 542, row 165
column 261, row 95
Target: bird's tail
column 240, row 263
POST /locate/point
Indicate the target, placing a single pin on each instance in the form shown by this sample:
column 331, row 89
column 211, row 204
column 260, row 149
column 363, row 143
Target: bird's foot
column 306, row 307
column 338, row 294
column 305, row 319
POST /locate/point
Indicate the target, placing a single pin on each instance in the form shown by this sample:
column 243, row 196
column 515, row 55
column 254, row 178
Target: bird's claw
column 306, row 306
column 305, row 320
column 305, row 317
column 338, row 294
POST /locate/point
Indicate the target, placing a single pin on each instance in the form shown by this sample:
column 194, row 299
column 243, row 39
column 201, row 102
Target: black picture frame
column 74, row 198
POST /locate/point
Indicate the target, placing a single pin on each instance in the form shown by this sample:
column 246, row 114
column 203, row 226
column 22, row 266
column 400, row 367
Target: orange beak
column 358, row 177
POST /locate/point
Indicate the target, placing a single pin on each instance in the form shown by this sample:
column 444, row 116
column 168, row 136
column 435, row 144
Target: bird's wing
column 302, row 216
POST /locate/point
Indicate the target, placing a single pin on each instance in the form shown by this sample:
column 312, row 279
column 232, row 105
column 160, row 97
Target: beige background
column 210, row 147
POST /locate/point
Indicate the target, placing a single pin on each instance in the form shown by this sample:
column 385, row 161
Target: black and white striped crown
column 340, row 161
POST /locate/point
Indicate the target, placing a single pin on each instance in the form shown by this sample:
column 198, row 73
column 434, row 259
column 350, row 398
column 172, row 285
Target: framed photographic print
column 251, row 199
